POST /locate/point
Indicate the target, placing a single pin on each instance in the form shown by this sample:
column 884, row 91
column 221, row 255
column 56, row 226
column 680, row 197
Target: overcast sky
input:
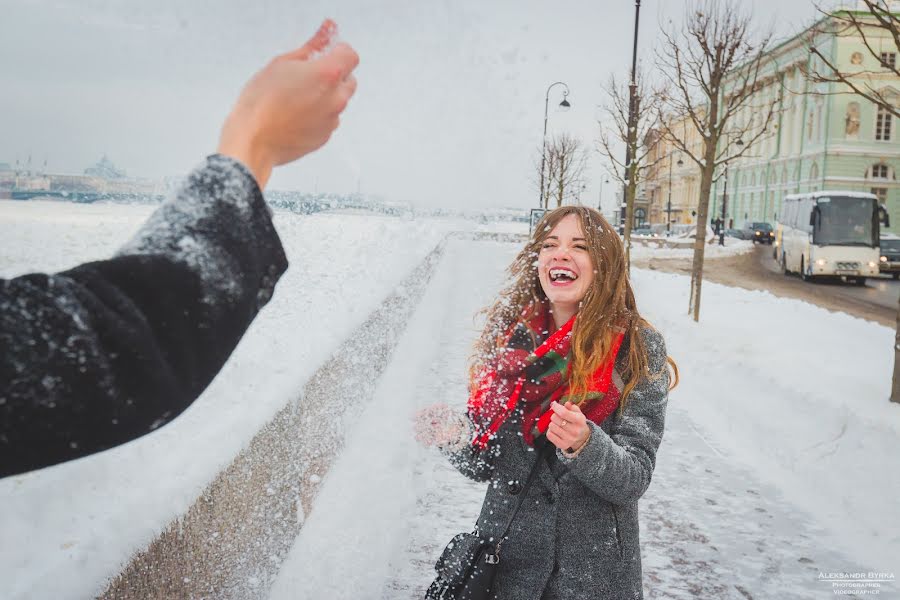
column 449, row 109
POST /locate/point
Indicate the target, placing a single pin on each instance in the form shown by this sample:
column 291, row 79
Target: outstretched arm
column 111, row 350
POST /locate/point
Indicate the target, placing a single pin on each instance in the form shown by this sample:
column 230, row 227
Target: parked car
column 890, row 254
column 735, row 233
column 759, row 232
column 644, row 231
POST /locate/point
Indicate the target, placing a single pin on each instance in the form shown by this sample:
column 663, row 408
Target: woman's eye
column 545, row 246
column 581, row 247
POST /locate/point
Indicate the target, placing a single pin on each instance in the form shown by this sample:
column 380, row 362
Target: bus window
column 846, row 221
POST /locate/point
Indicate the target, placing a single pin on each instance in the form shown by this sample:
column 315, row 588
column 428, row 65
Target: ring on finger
column 564, row 423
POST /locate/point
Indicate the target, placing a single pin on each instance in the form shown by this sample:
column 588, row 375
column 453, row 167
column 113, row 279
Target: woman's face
column 564, row 264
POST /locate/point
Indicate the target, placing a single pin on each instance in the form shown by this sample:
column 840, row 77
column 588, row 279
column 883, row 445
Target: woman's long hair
column 607, row 306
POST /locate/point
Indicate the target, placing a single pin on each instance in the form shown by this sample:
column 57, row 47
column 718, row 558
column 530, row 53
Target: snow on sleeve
column 189, row 226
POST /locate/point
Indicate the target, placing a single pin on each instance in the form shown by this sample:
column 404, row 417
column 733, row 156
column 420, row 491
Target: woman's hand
column 568, row 429
column 292, row 106
column 439, row 425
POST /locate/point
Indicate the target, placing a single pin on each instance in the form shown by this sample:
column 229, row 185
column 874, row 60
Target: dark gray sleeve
column 108, row 351
column 618, row 467
column 477, row 465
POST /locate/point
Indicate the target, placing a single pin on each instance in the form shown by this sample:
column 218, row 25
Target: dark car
column 759, row 232
column 890, row 256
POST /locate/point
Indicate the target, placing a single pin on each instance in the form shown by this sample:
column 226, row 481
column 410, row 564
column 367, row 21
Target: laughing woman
column 568, row 367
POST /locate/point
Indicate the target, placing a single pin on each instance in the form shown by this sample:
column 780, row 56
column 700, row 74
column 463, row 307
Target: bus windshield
column 846, row 221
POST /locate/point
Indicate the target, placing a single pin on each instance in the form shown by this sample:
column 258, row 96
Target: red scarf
column 534, row 368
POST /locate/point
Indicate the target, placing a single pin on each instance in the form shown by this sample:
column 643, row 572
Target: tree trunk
column 630, row 191
column 895, row 386
column 706, row 176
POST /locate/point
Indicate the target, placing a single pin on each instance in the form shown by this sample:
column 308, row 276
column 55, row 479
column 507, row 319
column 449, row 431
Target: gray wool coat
column 576, row 535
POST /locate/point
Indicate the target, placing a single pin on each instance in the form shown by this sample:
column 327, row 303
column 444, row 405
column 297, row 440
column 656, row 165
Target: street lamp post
column 669, row 200
column 565, row 104
column 600, row 199
column 738, row 143
column 630, row 133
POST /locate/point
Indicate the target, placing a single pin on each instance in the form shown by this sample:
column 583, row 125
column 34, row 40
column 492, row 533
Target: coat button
column 514, row 488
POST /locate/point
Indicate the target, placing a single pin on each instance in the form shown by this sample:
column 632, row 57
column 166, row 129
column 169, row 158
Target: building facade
column 823, row 137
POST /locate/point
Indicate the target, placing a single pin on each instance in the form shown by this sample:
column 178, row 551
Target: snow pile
column 798, row 393
column 732, row 247
column 70, row 527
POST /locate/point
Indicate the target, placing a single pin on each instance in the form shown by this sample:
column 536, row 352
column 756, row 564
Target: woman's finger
column 554, row 439
column 568, row 415
column 560, row 432
column 338, row 64
column 317, row 43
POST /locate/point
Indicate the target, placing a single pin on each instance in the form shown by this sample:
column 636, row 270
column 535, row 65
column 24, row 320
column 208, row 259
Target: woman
column 565, row 359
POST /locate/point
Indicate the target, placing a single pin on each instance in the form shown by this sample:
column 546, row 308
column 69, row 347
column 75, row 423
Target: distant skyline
column 449, row 109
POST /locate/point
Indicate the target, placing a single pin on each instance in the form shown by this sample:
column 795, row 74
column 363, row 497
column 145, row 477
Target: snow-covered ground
column 779, row 461
column 68, row 528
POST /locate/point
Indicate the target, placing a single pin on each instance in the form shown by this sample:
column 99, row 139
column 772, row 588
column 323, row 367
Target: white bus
column 830, row 234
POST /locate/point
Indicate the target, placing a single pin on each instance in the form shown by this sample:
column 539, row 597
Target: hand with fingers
column 440, row 425
column 568, row 428
column 292, row 106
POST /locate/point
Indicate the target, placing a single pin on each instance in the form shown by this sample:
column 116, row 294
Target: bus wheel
column 896, row 276
column 860, row 281
column 784, row 269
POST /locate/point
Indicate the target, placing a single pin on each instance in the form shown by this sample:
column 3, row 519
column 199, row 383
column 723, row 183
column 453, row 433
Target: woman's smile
column 562, row 276
column 565, row 269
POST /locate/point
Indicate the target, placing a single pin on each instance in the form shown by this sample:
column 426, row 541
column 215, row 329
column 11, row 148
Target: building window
column 879, row 171
column 883, row 124
column 889, row 60
column 880, row 193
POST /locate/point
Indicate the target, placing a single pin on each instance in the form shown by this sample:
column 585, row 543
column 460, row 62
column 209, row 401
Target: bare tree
column 714, row 67
column 565, row 167
column 645, row 116
column 880, row 33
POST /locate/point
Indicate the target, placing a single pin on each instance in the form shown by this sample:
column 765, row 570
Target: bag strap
column 523, row 493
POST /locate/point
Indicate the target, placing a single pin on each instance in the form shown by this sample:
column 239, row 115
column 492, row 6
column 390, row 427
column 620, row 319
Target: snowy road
column 710, row 527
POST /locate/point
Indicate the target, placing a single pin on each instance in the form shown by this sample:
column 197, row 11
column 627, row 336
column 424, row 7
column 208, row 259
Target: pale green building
column 821, row 138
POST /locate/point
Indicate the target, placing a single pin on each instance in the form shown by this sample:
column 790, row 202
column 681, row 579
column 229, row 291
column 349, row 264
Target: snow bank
column 797, row 392
column 732, row 247
column 68, row 528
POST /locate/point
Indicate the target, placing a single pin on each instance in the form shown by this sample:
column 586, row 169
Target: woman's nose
column 562, row 253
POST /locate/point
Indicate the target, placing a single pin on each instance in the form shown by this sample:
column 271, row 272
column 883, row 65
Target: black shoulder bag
column 468, row 565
